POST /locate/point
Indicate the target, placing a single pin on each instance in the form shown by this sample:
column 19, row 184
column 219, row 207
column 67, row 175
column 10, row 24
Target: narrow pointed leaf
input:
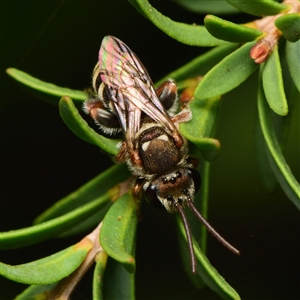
column 209, row 274
column 46, row 270
column 228, row 74
column 293, row 60
column 86, row 224
column 282, row 127
column 259, row 7
column 289, row 25
column 118, row 231
column 86, row 193
column 193, row 35
column 201, row 128
column 231, row 32
column 201, row 64
column 205, row 7
column 41, row 232
column 79, row 126
column 273, row 84
column 277, row 161
column 268, row 177
column 201, row 203
column 98, row 279
column 119, row 284
column 45, row 90
column 36, row 292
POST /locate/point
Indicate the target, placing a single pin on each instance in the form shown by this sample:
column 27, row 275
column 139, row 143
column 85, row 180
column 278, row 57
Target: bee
column 154, row 149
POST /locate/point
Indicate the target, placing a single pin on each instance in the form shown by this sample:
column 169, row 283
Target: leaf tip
column 208, row 17
column 129, row 265
column 211, row 149
column 9, row 70
column 283, row 111
column 85, row 244
column 65, row 99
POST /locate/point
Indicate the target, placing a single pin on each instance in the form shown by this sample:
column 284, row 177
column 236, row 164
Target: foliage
column 270, row 45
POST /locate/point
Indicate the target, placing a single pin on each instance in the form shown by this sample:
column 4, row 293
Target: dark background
column 42, row 161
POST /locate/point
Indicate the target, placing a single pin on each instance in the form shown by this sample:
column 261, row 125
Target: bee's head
column 173, row 191
column 175, row 188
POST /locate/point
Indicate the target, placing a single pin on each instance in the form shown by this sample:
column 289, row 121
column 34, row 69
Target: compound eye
column 170, row 198
column 195, row 175
column 151, row 196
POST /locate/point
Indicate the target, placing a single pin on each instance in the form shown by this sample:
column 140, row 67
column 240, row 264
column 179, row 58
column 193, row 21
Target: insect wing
column 129, row 84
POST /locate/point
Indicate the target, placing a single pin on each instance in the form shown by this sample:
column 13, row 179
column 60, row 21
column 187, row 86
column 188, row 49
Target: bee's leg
column 193, row 161
column 167, row 94
column 137, row 189
column 184, row 116
column 123, row 152
column 107, row 120
column 136, row 159
column 137, row 194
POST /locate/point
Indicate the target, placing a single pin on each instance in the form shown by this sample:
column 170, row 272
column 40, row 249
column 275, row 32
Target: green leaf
column 204, row 6
column 86, row 224
column 228, row 74
column 119, row 284
column 98, row 278
column 209, row 274
column 289, row 25
column 200, row 65
column 282, row 127
column 117, row 234
column 86, row 193
column 259, row 7
column 201, row 203
column 36, row 292
column 231, row 32
column 273, row 84
column 46, row 270
column 193, row 35
column 277, row 161
column 201, row 128
column 44, row 90
column 292, row 51
column 269, row 179
column 41, row 232
column 97, row 186
column 79, row 126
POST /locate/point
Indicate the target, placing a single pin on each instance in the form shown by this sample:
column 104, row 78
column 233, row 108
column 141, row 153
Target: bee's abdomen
column 157, row 150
